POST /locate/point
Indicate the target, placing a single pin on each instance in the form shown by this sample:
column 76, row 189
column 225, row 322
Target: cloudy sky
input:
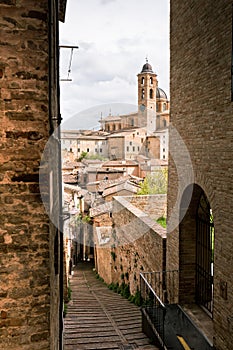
column 114, row 38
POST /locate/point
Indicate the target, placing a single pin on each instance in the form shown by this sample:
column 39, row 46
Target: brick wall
column 201, row 111
column 29, row 298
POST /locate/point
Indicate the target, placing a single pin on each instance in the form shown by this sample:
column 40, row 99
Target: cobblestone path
column 98, row 318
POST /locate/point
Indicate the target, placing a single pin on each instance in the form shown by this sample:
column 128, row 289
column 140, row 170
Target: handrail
column 152, row 290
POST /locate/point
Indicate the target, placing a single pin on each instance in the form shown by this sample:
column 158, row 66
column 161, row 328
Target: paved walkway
column 98, row 318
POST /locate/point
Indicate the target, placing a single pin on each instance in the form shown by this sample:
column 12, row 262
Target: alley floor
column 98, row 318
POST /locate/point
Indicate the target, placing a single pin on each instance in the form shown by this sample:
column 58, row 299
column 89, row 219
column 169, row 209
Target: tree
column 82, row 156
column 154, row 183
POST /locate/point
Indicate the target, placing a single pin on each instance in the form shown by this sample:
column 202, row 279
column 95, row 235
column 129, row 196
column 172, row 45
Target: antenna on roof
column 70, row 61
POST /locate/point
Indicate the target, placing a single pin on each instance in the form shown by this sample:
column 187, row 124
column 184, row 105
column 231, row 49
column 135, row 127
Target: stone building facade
column 200, row 192
column 153, row 106
column 30, row 243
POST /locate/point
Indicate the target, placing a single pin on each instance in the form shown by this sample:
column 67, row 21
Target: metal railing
column 164, row 284
column 158, row 289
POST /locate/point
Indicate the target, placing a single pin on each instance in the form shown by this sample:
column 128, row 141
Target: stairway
column 98, row 318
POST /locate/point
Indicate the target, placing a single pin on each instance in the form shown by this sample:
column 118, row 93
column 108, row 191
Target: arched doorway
column 204, row 254
column 196, row 249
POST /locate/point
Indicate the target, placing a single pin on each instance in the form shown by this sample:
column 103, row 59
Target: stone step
column 98, row 318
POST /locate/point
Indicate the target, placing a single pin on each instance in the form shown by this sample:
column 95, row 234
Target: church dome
column 161, row 94
column 147, row 68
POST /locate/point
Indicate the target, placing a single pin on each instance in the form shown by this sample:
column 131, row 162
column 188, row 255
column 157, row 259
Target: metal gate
column 204, row 255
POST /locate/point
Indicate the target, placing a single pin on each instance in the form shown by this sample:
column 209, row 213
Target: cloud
column 106, row 2
column 113, row 43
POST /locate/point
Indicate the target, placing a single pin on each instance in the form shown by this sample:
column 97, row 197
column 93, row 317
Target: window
column 142, row 81
column 133, row 149
column 143, row 93
column 96, row 150
column 163, row 149
column 142, row 140
column 138, row 148
column 137, row 133
column 151, row 93
column 133, row 135
column 88, row 150
column 164, row 107
column 151, row 81
column 78, row 149
column 100, row 150
column 127, row 148
column 157, row 107
column 70, row 149
column 130, row 143
column 163, row 156
column 164, row 122
column 132, row 122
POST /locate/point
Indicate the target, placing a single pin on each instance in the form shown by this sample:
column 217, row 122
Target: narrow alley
column 98, row 318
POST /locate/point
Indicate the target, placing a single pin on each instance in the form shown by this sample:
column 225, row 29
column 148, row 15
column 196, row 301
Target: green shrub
column 162, row 221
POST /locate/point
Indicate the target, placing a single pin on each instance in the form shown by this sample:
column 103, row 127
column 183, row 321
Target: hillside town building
column 95, row 214
column 144, row 132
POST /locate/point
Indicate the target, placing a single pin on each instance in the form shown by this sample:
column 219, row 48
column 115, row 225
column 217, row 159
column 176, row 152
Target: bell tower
column 147, row 85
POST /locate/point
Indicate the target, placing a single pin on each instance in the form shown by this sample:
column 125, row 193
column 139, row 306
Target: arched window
column 132, row 122
column 164, row 122
column 164, row 107
column 142, row 80
column 151, row 93
column 151, row 81
column 114, row 127
column 143, row 93
column 157, row 107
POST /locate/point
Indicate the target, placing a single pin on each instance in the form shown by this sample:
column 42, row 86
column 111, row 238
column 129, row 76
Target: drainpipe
column 60, row 185
column 53, row 38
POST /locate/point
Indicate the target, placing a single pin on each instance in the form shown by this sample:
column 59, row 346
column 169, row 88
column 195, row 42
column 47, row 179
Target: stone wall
column 154, row 205
column 29, row 291
column 201, row 111
column 137, row 244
